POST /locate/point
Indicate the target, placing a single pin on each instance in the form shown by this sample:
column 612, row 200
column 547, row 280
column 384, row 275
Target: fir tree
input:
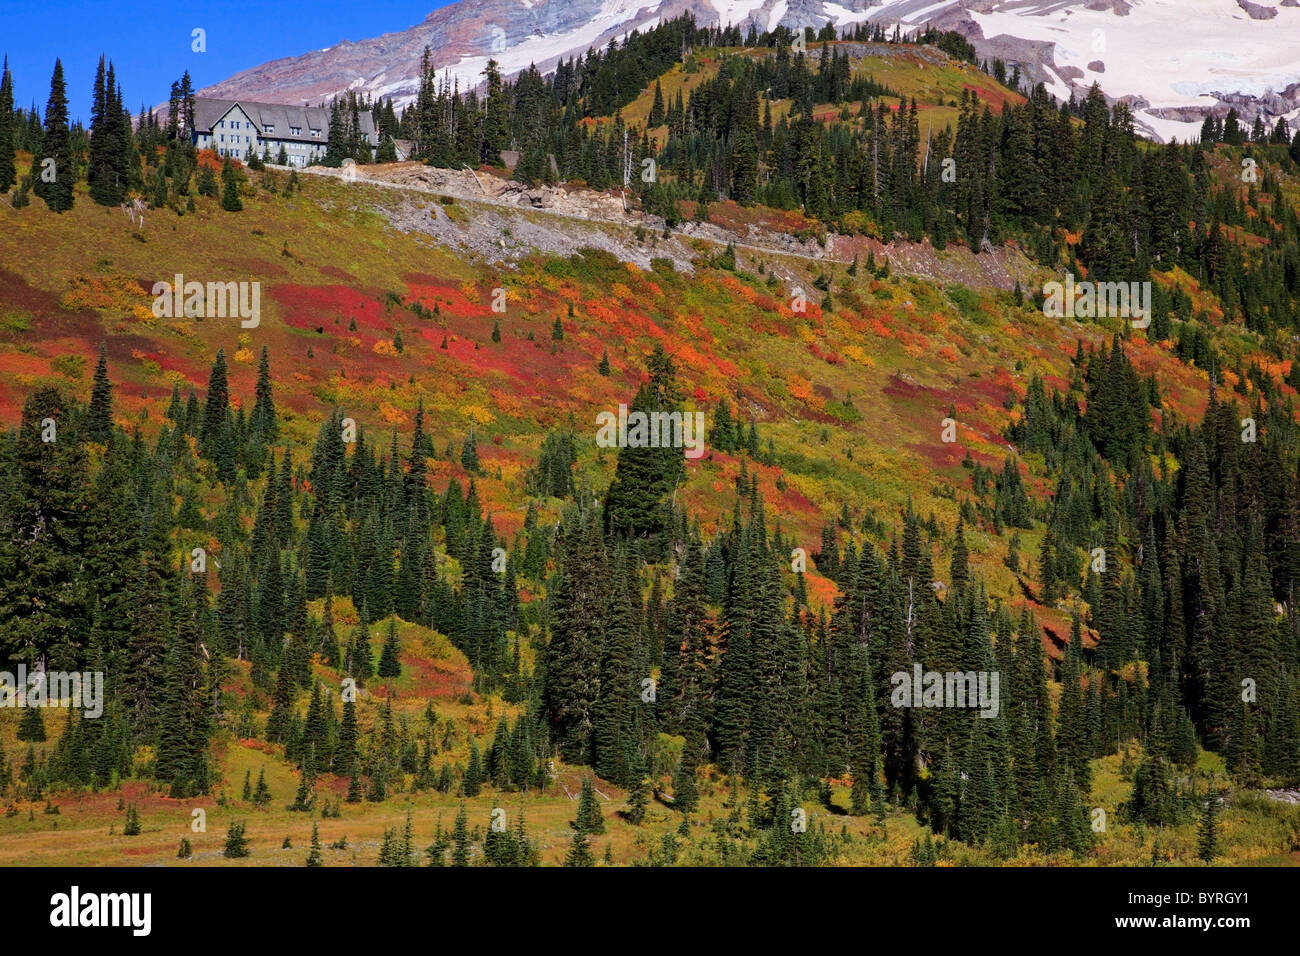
column 8, row 172
column 230, row 200
column 637, row 800
column 472, row 784
column 390, row 664
column 579, row 851
column 54, row 165
column 460, row 853
column 262, row 794
column 31, row 728
column 589, row 819
column 99, row 424
column 110, row 141
column 346, row 751
column 313, row 857
column 236, row 842
column 1207, row 836
column 686, row 794
column 469, row 454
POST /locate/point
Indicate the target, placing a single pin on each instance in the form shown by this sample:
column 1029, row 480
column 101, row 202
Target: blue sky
column 149, row 41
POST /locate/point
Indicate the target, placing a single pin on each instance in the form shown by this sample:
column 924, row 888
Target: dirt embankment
column 498, row 218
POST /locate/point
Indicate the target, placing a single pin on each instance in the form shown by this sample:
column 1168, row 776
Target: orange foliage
column 104, row 292
column 507, row 403
column 213, row 161
column 736, row 287
column 800, row 388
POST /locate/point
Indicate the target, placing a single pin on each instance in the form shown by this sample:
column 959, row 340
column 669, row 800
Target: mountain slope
column 852, row 397
column 902, row 467
column 1176, row 60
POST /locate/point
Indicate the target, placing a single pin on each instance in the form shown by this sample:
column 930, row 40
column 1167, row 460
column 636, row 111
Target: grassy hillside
column 879, row 378
column 851, row 397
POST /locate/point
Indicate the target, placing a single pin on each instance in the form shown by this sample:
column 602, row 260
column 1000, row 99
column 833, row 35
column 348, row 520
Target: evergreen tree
column 686, row 794
column 460, row 853
column 236, row 842
column 31, row 727
column 314, row 857
column 589, row 819
column 262, row 794
column 110, row 141
column 54, row 169
column 469, row 454
column 472, row 784
column 346, row 752
column 579, row 851
column 230, row 200
column 8, row 125
column 637, row 800
column 264, row 421
column 390, row 664
column 1207, row 836
column 99, row 423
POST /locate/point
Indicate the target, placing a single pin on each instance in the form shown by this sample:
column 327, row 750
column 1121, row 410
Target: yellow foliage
column 244, row 355
column 478, row 414
column 856, row 353
column 104, row 292
column 383, row 347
